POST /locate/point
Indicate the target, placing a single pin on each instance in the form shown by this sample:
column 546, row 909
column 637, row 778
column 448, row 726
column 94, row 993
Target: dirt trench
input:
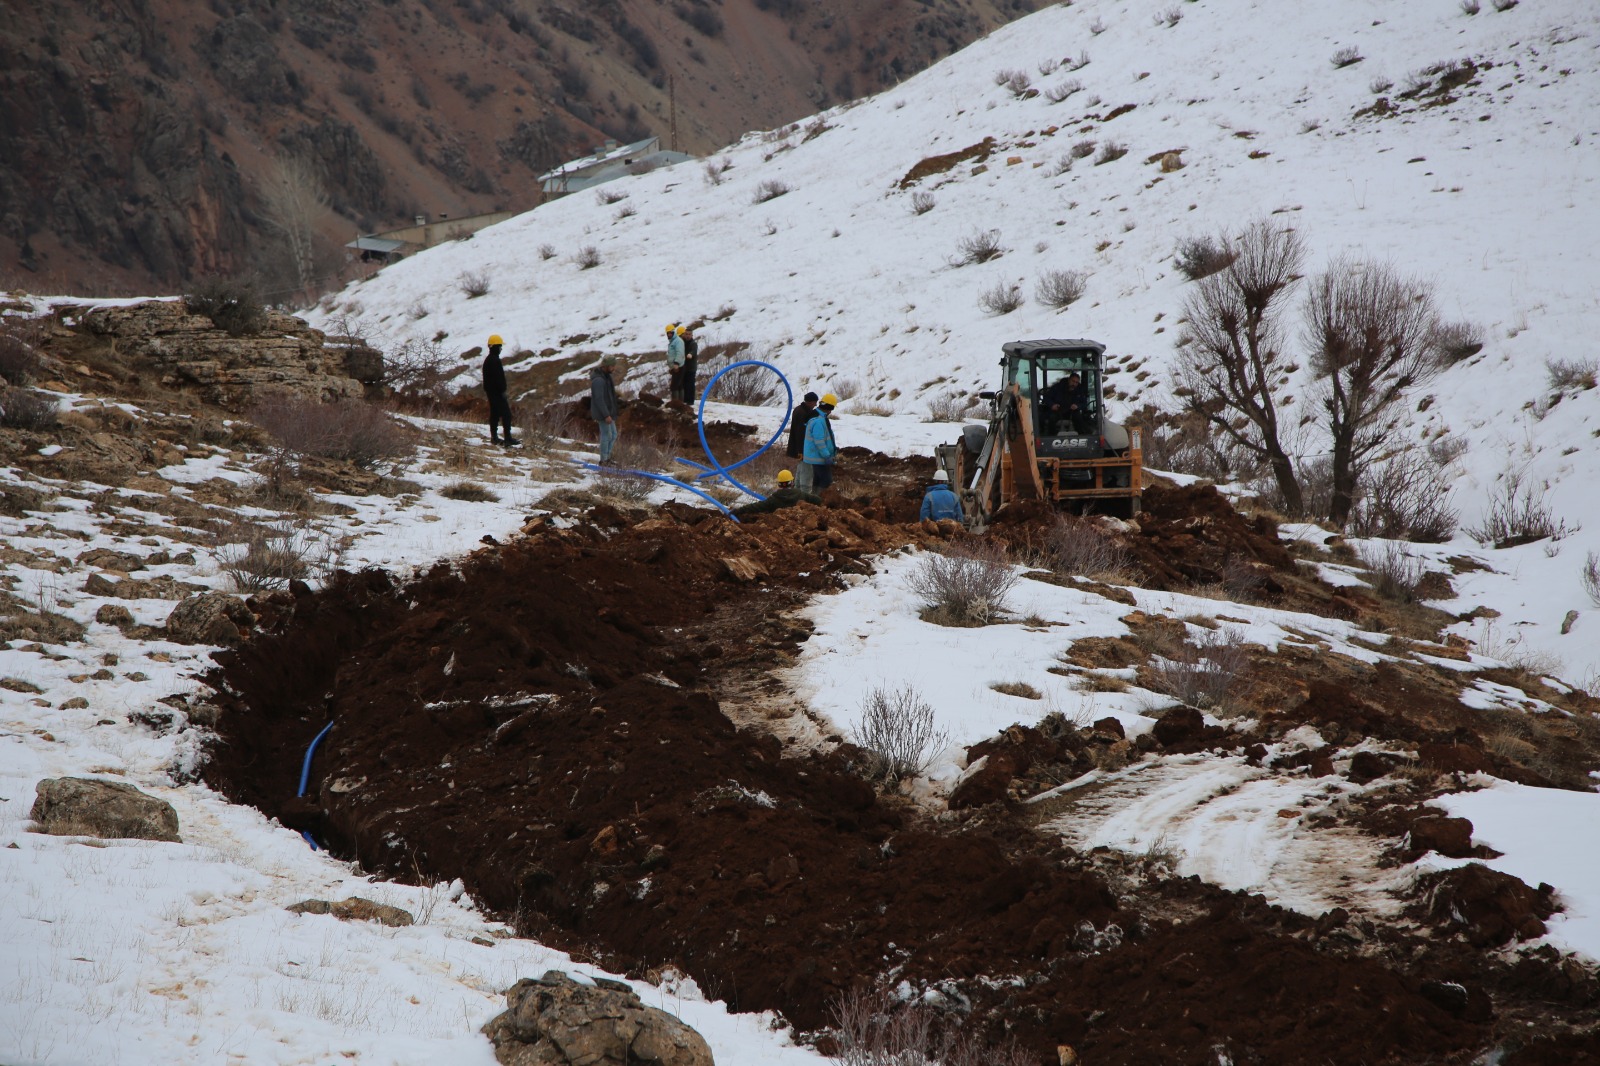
column 539, row 720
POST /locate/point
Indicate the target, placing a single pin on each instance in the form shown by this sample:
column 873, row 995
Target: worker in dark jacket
column 939, row 502
column 785, row 495
column 603, row 405
column 494, row 385
column 797, row 440
column 691, row 363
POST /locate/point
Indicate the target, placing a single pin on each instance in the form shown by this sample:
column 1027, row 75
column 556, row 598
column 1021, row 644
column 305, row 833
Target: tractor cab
column 1061, row 380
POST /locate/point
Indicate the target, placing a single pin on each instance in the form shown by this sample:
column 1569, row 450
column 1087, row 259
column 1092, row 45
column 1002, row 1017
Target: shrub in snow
column 1078, row 547
column 1347, row 56
column 26, row 409
column 1590, row 578
column 588, row 257
column 1571, row 373
column 966, row 584
column 547, row 251
column 610, row 196
column 752, row 386
column 1401, row 498
column 1455, row 341
column 1204, row 674
column 1061, row 289
column 1002, row 299
column 1470, row 7
column 349, row 430
column 1395, row 574
column 898, row 729
column 922, row 202
column 231, row 304
column 264, row 558
column 19, row 359
column 1109, row 152
column 1517, row 514
column 979, row 247
column 419, row 369
column 947, row 408
column 473, row 284
column 1083, row 149
column 1170, row 17
column 1057, row 93
column 770, row 190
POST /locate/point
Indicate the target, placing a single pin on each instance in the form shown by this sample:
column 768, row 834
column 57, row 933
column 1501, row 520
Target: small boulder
column 111, row 810
column 1368, row 766
column 209, row 618
column 355, row 909
column 1450, row 837
column 1178, row 725
column 114, row 614
column 557, row 1021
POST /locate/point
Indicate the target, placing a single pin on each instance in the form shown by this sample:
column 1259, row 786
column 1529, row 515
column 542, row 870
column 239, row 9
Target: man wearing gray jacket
column 603, row 405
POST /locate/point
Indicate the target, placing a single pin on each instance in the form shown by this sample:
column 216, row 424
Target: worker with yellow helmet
column 494, row 386
column 675, row 358
column 785, row 495
column 820, row 451
column 691, row 363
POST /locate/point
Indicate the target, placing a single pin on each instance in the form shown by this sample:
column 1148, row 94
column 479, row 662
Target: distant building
column 608, row 163
column 392, row 244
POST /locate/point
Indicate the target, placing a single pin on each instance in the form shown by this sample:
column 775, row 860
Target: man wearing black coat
column 494, row 385
column 797, row 440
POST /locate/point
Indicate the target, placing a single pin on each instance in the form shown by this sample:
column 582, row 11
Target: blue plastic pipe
column 305, row 775
column 716, row 469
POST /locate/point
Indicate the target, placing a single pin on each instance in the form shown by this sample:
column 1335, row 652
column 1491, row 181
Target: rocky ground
column 587, row 722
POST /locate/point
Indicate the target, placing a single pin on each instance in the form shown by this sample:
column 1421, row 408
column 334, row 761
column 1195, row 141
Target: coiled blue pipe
column 716, row 469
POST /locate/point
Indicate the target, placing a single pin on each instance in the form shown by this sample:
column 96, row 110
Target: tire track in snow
column 1236, row 826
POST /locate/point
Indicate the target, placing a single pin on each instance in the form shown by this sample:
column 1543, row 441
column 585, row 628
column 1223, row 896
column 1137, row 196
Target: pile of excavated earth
column 587, row 725
column 546, row 720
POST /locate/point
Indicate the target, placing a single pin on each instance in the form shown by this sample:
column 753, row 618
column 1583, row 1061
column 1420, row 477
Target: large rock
column 209, row 618
column 235, row 372
column 356, row 909
column 114, row 810
column 555, row 1021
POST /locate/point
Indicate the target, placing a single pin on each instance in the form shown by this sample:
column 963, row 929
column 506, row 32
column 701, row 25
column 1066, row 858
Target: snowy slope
column 1491, row 196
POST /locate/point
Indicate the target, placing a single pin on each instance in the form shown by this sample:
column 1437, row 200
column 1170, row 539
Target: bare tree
column 1233, row 364
column 1371, row 335
column 292, row 197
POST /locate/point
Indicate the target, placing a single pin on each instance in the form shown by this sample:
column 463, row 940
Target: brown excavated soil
column 538, row 720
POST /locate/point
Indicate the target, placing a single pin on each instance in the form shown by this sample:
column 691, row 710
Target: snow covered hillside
column 1487, row 188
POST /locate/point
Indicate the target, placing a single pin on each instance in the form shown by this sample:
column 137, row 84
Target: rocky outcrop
column 209, row 618
column 188, row 350
column 356, row 909
column 557, row 1021
column 111, row 810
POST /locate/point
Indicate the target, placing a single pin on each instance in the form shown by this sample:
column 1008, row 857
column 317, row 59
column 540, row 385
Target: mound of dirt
column 537, row 721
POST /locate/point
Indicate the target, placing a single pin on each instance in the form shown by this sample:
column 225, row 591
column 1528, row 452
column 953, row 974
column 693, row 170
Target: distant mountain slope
column 136, row 135
column 1460, row 147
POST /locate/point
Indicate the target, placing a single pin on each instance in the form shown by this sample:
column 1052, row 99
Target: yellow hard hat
column 784, row 477
column 830, row 399
column 671, row 328
column 682, row 330
column 494, row 338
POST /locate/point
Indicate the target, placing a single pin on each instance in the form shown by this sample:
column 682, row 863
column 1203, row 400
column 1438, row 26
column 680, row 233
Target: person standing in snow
column 820, row 450
column 785, row 495
column 797, row 440
column 494, row 385
column 675, row 359
column 603, row 405
column 691, row 361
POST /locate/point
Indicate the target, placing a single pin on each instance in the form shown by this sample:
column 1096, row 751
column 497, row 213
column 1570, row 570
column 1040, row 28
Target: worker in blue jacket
column 820, row 451
column 939, row 502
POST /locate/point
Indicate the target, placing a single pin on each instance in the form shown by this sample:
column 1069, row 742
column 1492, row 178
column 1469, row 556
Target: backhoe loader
column 1047, row 439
